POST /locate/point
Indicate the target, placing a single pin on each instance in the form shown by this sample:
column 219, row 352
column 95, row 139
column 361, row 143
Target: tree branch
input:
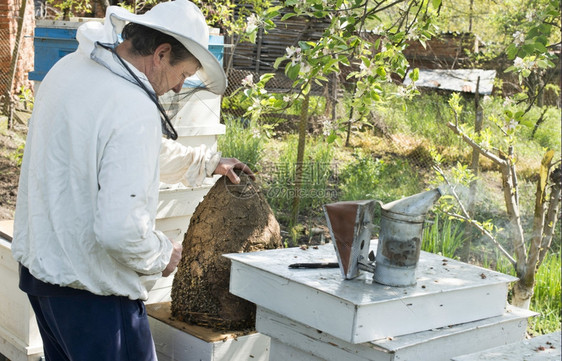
column 538, row 218
column 512, row 208
column 487, row 234
column 486, row 153
column 466, row 217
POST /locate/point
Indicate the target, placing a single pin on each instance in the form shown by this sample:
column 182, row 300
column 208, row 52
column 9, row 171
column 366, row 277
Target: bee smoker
column 399, row 244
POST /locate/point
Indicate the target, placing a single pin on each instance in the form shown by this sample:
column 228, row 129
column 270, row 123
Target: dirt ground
column 11, row 148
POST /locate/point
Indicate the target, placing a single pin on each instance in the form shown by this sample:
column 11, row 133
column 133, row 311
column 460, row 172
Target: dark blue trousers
column 87, row 327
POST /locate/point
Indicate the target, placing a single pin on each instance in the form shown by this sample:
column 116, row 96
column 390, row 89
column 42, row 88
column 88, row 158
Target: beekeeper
column 84, row 230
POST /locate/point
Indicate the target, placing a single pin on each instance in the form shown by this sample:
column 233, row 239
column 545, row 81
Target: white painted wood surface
column 540, row 348
column 176, row 205
column 19, row 335
column 174, row 343
column 434, row 345
column 281, row 351
column 447, row 292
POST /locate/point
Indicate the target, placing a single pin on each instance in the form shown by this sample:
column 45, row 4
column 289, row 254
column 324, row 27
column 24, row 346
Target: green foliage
column 444, row 236
column 314, row 62
column 26, row 97
column 545, row 131
column 546, row 299
column 316, row 188
column 244, row 140
column 537, row 29
column 138, row 6
column 294, row 233
column 254, row 98
column 17, row 155
column 70, row 8
column 240, row 17
column 506, row 123
column 423, row 116
column 359, row 179
column 370, row 178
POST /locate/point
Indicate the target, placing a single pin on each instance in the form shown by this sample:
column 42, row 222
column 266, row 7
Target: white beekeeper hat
column 184, row 21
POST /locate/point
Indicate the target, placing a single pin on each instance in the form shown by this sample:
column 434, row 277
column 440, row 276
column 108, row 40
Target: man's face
column 171, row 77
column 165, row 77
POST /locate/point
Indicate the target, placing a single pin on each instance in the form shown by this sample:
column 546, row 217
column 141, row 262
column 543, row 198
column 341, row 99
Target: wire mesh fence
column 5, row 61
column 16, row 54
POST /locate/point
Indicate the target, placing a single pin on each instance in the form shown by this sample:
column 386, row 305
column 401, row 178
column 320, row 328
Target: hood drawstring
column 167, row 127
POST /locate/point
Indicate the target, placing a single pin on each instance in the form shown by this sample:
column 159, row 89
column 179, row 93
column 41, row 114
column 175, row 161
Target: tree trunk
column 303, row 124
column 540, row 242
column 523, row 292
column 509, row 186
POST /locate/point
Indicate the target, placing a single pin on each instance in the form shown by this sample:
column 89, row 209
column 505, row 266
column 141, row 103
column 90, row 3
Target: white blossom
column 518, row 37
column 287, row 99
column 512, row 124
column 305, row 68
column 292, row 51
column 294, row 54
column 252, row 23
column 412, row 35
column 326, row 127
column 525, row 63
column 363, row 67
column 248, row 80
column 530, row 64
column 518, row 62
column 256, row 104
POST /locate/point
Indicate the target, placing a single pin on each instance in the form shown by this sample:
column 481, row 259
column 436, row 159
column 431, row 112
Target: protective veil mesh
column 173, row 103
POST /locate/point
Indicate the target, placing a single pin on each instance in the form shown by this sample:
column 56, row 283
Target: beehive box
column 179, row 341
column 19, row 336
column 447, row 292
column 293, row 340
column 53, row 39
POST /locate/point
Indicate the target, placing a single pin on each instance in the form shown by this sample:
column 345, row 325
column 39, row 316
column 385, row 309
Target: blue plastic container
column 52, row 43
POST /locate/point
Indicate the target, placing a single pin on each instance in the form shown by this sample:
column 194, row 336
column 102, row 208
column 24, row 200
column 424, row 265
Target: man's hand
column 227, row 166
column 174, row 260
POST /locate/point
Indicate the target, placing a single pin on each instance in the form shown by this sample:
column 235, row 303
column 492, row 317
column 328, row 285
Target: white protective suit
column 89, row 181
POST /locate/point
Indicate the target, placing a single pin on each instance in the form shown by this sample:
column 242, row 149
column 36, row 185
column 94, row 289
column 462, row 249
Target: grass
column 367, row 177
column 244, row 140
column 317, row 183
column 546, row 299
column 425, row 116
column 443, row 236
